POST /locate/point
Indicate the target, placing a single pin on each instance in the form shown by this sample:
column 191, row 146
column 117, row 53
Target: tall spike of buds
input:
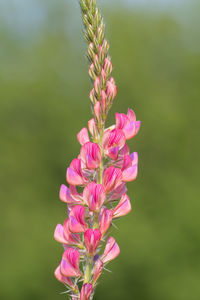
column 97, row 177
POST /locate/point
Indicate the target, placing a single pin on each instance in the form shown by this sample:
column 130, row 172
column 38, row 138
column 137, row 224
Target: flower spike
column 97, row 178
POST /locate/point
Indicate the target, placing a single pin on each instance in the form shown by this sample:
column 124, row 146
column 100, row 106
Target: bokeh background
column 155, row 48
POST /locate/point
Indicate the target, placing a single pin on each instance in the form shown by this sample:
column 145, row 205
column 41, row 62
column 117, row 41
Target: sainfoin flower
column 96, row 189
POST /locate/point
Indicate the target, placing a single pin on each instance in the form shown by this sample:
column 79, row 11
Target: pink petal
column 70, row 263
column 93, row 128
column 123, row 207
column 98, row 269
column 111, row 178
column 67, row 196
column 94, row 196
column 61, row 278
column 111, row 251
column 74, row 173
column 59, row 234
column 105, row 220
column 77, row 219
column 113, row 153
column 121, row 120
column 134, row 158
column 72, row 238
column 97, row 109
column 130, row 174
column 92, row 239
column 118, row 192
column 127, row 162
column 86, row 291
column 131, row 115
column 91, row 155
column 111, row 89
column 83, row 136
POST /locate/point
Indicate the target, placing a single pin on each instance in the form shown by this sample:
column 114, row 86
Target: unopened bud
column 108, row 67
column 111, row 90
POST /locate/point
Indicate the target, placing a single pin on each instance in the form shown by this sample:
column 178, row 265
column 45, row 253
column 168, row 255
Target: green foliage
column 44, row 103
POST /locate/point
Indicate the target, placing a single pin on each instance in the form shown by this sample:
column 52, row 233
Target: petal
column 121, row 120
column 92, row 238
column 97, row 109
column 74, row 173
column 93, row 128
column 118, row 192
column 67, row 196
column 123, row 207
column 61, row 278
column 83, row 136
column 134, row 158
column 131, row 115
column 86, row 291
column 130, row 174
column 91, row 155
column 113, row 153
column 70, row 263
column 105, row 220
column 59, row 234
column 111, row 178
column 98, row 268
column 77, row 219
column 111, row 251
column 72, row 238
column 94, row 196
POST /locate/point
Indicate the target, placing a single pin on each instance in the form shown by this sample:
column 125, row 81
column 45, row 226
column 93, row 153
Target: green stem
column 88, row 270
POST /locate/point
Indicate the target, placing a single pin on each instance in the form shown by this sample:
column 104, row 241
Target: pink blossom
column 111, row 178
column 94, row 196
column 83, row 136
column 93, row 128
column 74, row 173
column 77, row 219
column 111, row 250
column 69, row 195
column 105, row 220
column 92, row 238
column 86, row 291
column 91, row 155
column 69, row 266
column 113, row 141
column 123, row 207
column 61, row 278
column 128, row 124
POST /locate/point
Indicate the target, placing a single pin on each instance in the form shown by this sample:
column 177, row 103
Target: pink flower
column 105, row 220
column 94, row 196
column 63, row 235
column 128, row 124
column 83, row 136
column 98, row 268
column 130, row 167
column 74, row 173
column 92, row 239
column 117, row 192
column 113, row 141
column 86, row 291
column 123, row 207
column 61, row 278
column 111, row 178
column 69, row 266
column 77, row 219
column 91, row 155
column 111, row 250
column 69, row 195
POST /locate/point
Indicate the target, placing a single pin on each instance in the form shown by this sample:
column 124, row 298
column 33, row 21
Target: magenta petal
column 118, row 192
column 131, row 115
column 67, row 196
column 111, row 251
column 130, row 174
column 86, row 291
column 111, row 178
column 92, row 127
column 74, row 174
column 123, row 207
column 105, row 220
column 113, row 152
column 70, row 263
column 127, row 162
column 83, row 136
column 92, row 239
column 94, row 196
column 71, row 238
column 61, row 278
column 77, row 219
column 91, row 155
column 59, row 234
column 121, row 120
column 134, row 158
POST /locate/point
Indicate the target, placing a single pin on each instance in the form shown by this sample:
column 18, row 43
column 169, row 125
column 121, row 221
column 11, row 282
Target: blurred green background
column 44, row 88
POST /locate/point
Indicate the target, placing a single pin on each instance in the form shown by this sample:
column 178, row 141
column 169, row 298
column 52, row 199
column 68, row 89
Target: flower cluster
column 96, row 193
